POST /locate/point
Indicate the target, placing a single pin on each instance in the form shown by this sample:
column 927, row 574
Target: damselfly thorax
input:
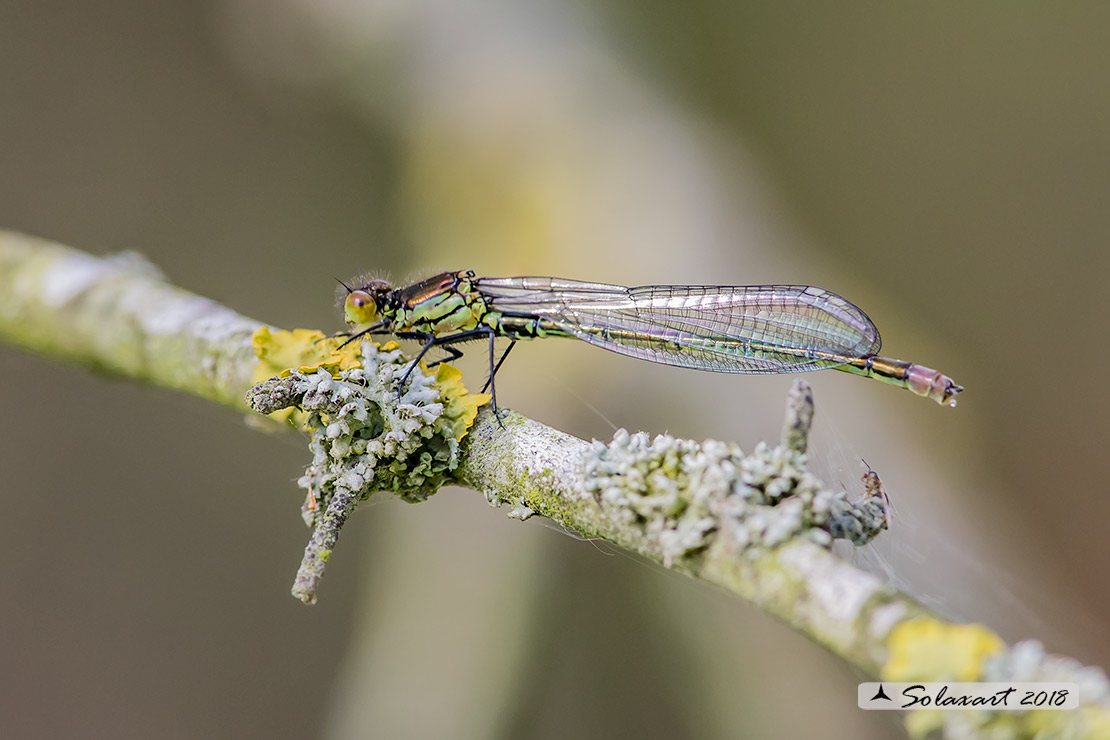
column 747, row 329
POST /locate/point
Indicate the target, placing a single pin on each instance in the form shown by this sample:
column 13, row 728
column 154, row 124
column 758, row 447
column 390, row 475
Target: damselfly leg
column 495, row 368
column 453, row 352
column 446, row 344
column 357, row 335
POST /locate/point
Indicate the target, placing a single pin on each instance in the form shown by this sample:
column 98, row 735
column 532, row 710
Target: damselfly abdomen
column 749, row 329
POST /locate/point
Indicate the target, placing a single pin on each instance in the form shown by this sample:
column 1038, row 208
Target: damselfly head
column 363, row 305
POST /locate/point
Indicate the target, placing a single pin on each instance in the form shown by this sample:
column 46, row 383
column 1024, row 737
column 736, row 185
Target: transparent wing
column 763, row 329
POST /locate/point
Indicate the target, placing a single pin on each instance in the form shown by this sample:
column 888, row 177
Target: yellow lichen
column 926, row 649
column 459, row 407
column 1086, row 723
column 1095, row 722
column 281, row 352
column 924, row 722
column 304, row 349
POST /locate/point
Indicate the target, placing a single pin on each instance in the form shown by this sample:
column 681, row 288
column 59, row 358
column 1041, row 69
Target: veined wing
column 735, row 329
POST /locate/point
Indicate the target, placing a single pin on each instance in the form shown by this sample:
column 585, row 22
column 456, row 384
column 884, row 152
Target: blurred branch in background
column 758, row 526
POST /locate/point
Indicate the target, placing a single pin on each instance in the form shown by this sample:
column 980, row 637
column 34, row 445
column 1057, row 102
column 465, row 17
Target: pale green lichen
column 521, row 513
column 366, row 441
column 682, row 493
column 366, row 435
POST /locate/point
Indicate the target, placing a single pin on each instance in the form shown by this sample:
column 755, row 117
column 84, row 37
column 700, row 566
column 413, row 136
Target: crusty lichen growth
column 927, row 649
column 367, row 434
column 670, row 498
column 683, row 492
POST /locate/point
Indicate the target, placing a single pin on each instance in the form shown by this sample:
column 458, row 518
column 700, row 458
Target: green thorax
column 443, row 304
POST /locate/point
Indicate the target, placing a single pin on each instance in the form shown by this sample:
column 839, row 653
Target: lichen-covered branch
column 758, row 525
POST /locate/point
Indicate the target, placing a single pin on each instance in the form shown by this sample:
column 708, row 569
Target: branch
column 758, row 525
column 120, row 315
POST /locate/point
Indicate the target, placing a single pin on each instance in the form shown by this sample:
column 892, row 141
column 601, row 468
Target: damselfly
column 748, row 329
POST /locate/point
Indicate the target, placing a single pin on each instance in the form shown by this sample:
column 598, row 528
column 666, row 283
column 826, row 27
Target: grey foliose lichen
column 684, row 492
column 365, row 440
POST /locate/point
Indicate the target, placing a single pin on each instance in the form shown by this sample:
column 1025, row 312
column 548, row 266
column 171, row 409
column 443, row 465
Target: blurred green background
column 945, row 166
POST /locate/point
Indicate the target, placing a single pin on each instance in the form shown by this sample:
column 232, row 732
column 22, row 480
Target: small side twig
column 322, row 543
column 799, row 418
